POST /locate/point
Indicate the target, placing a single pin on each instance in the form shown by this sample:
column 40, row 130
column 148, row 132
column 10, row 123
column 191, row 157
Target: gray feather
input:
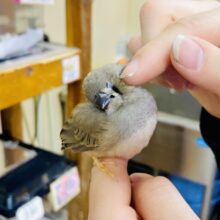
column 130, row 116
column 84, row 129
column 96, row 80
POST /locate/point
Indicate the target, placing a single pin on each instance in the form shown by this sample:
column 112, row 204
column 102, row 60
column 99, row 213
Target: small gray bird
column 117, row 120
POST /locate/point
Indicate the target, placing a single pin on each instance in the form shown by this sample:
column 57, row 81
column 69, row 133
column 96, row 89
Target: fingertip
column 188, row 53
column 130, row 70
column 133, row 74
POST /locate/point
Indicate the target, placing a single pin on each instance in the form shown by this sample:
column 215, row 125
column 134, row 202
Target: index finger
column 154, row 58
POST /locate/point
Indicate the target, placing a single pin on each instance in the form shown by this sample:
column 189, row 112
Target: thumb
column 198, row 61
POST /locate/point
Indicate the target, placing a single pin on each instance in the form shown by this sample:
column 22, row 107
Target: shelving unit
column 27, row 77
column 31, row 75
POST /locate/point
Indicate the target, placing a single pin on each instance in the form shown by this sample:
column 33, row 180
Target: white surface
column 33, row 210
column 50, row 121
column 178, row 121
column 71, row 69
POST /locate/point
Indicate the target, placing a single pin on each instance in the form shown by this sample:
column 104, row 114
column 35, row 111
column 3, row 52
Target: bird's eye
column 109, row 85
column 112, row 96
column 114, row 88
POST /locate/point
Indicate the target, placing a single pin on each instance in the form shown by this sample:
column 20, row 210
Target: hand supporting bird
column 117, row 120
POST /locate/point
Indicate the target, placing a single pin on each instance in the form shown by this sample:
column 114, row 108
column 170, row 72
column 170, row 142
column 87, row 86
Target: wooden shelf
column 31, row 75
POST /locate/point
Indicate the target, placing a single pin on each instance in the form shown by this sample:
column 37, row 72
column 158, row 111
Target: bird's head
column 104, row 88
column 109, row 99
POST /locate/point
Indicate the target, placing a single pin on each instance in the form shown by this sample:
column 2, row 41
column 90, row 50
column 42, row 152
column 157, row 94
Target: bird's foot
column 102, row 167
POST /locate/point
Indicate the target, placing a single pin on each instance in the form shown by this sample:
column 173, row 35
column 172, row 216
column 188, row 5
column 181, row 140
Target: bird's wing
column 82, row 132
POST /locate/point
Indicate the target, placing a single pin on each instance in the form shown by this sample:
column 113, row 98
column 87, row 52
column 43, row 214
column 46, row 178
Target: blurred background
column 176, row 150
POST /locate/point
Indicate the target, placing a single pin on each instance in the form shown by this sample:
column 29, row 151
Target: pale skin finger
column 155, row 198
column 160, row 70
column 156, row 15
column 135, row 44
column 110, row 197
column 154, row 58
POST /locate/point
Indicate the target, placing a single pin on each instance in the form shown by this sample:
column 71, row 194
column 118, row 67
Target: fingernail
column 188, row 53
column 130, row 69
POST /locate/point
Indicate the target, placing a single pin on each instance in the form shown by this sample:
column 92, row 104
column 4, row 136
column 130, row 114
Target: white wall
column 133, row 25
column 113, row 22
column 109, row 25
column 55, row 21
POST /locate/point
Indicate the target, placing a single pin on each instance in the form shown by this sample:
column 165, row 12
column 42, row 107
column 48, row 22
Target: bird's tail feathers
column 77, row 147
column 76, row 139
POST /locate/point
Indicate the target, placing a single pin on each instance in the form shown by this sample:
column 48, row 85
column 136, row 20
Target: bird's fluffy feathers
column 91, row 129
column 80, row 137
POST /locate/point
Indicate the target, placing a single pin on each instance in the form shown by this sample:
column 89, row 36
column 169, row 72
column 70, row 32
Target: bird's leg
column 101, row 166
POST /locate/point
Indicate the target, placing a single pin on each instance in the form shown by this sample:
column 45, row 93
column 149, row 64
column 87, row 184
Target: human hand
column 138, row 197
column 186, row 61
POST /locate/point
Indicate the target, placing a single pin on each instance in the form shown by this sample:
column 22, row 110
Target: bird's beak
column 102, row 100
